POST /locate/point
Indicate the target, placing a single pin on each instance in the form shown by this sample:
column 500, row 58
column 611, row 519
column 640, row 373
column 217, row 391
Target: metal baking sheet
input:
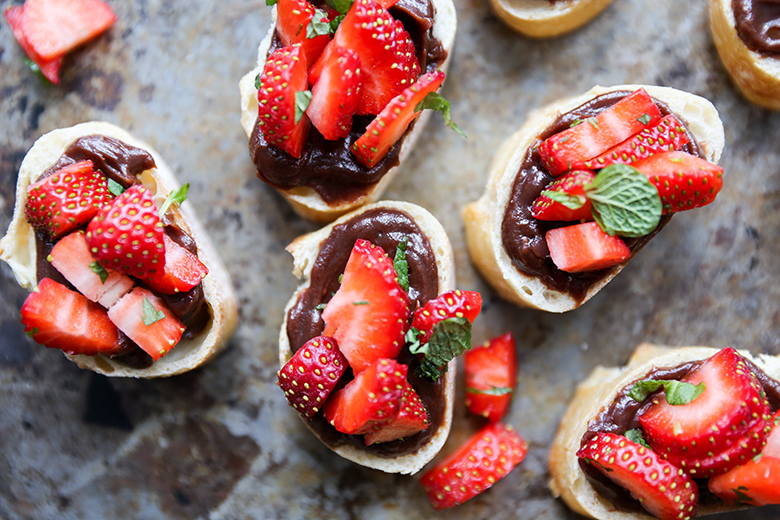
column 220, row 442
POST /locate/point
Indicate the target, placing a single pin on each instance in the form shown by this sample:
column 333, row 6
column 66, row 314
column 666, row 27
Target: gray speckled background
column 220, row 442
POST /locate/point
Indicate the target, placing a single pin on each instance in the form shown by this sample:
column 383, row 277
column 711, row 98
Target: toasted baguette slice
column 306, row 201
column 305, row 250
column 546, row 19
column 596, row 393
column 483, row 218
column 757, row 76
column 18, row 249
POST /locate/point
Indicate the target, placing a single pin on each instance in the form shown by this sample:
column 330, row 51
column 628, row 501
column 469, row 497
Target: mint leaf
column 594, row 122
column 493, row 390
column 644, row 119
column 450, row 338
column 568, row 200
column 575, row 123
column 637, row 437
column 334, row 24
column 321, row 307
column 412, row 339
column 317, row 27
column 341, row 6
column 178, row 195
column 270, row 2
column 37, row 70
column 115, row 188
column 151, row 315
column 401, row 265
column 624, row 201
column 742, row 498
column 302, row 100
column 258, row 82
column 99, row 270
column 436, row 101
column 677, row 392
column 360, row 302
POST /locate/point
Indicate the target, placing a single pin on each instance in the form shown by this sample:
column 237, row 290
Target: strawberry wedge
column 292, row 22
column 596, row 135
column 411, row 419
column 335, row 96
column 491, row 373
column 182, row 271
column 49, row 68
column 585, row 247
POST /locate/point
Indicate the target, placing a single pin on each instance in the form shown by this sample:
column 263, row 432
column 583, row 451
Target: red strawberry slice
column 411, row 418
column 57, row 317
column 49, row 68
column 368, row 401
column 452, row 304
column 585, row 247
column 284, row 75
column 54, row 27
column 61, row 202
column 292, row 21
column 335, row 96
column 573, row 185
column 127, row 235
column 369, row 312
column 311, row 374
column 474, row 467
column 491, row 372
column 385, row 130
column 683, row 180
column 667, row 135
column 182, row 272
column 145, row 319
column 71, row 257
column 663, row 489
column 596, row 135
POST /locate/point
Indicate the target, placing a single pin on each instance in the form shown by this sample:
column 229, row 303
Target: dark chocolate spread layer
column 523, row 236
column 329, row 167
column 758, row 25
column 386, row 228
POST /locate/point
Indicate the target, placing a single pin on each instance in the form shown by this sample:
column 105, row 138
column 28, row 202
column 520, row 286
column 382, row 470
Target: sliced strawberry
column 145, row 319
column 572, row 185
column 369, row 312
column 474, row 467
column 385, row 130
column 49, row 68
column 71, row 257
column 452, row 304
column 183, row 270
column 54, row 27
column 335, row 96
column 411, row 418
column 683, row 181
column 283, row 76
column 61, row 202
column 666, row 135
column 311, row 374
column 57, row 317
column 577, row 144
column 491, row 372
column 292, row 22
column 663, row 489
column 368, row 401
column 127, row 235
column 585, row 247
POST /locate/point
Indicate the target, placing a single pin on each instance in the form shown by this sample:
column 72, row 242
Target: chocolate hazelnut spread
column 758, row 25
column 523, row 236
column 386, row 228
column 329, row 167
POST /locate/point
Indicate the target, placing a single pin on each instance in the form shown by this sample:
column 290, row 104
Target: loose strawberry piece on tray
column 335, row 96
column 311, row 374
column 292, row 26
column 410, row 419
column 127, row 235
column 683, row 180
column 663, row 489
column 283, row 78
column 572, row 187
column 491, row 373
column 598, row 134
column 182, row 271
column 385, row 130
column 452, row 304
column 370, row 400
column 61, row 202
column 57, row 317
column 585, row 247
column 474, row 467
column 369, row 312
column 49, row 68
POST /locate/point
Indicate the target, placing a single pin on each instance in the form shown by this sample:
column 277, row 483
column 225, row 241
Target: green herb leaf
column 436, row 101
column 334, row 24
column 644, row 119
column 302, row 100
column 258, row 82
column 493, row 390
column 450, row 338
column 361, row 302
column 677, row 392
column 99, row 270
column 37, row 70
column 594, row 122
column 576, row 122
column 270, row 2
column 151, row 315
column 742, row 498
column 32, row 332
column 637, row 437
column 178, row 195
column 568, row 200
column 401, row 265
column 412, row 339
column 115, row 188
column 624, row 201
column 341, row 6
column 321, row 307
column 317, row 27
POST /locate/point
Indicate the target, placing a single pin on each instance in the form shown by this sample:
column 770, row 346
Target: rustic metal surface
column 220, row 442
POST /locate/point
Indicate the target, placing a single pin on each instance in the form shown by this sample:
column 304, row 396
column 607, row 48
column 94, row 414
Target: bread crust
column 305, row 250
column 756, row 76
column 306, row 201
column 18, row 249
column 483, row 218
column 596, row 393
column 543, row 19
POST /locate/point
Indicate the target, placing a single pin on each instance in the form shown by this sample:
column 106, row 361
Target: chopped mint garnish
column 450, row 338
column 178, row 195
column 32, row 332
column 258, row 82
column 412, row 338
column 637, row 437
column 302, row 100
column 334, row 24
column 270, row 2
column 742, row 498
column 593, row 121
column 115, row 188
column 151, row 315
column 493, row 390
column 317, row 27
column 677, row 392
column 99, row 270
column 644, row 119
column 361, row 302
column 401, row 265
column 321, row 307
column 37, row 70
column 624, row 201
column 576, row 122
column 436, row 101
column 341, row 6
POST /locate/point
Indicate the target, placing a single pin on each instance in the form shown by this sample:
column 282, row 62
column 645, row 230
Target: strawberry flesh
column 292, row 21
column 411, row 418
column 491, row 373
column 181, row 273
column 585, row 247
column 336, row 94
column 572, row 184
column 452, row 304
column 49, row 68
